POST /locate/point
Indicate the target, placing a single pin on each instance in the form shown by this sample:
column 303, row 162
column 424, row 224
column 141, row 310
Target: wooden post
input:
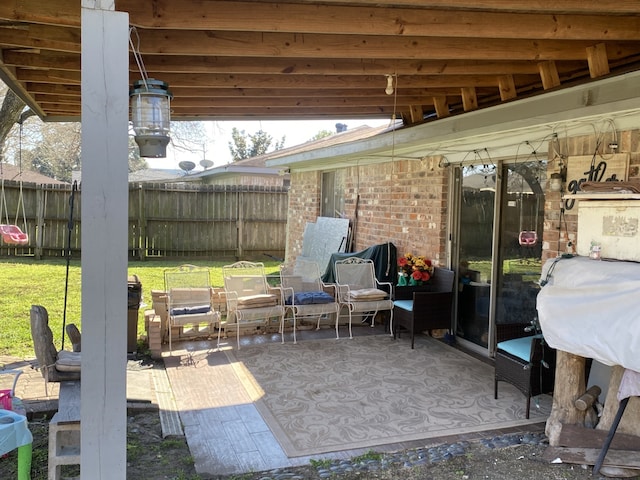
column 569, row 385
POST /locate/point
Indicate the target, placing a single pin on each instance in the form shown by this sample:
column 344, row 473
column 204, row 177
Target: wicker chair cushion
column 367, row 294
column 310, row 298
column 404, row 304
column 518, row 347
column 257, row 301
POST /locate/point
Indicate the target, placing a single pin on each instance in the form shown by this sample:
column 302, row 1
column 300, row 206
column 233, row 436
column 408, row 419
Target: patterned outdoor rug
column 328, row 395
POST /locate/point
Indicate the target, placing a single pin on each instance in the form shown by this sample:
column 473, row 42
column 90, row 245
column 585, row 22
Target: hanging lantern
column 151, row 114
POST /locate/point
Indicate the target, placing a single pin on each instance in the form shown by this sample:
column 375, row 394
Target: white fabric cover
column 629, row 385
column 591, row 308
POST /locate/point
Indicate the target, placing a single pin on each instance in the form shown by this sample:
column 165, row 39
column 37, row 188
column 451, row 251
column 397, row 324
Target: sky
column 219, row 133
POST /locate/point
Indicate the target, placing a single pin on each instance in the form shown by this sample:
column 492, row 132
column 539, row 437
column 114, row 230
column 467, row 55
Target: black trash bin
column 134, row 288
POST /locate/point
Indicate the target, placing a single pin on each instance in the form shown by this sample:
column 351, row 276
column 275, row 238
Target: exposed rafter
column 330, row 58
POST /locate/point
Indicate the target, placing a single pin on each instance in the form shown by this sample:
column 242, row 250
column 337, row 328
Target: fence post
column 239, row 224
column 142, row 225
column 41, row 199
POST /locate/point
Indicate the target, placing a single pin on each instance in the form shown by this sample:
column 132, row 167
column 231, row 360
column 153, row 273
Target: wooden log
column 569, row 385
column 588, row 398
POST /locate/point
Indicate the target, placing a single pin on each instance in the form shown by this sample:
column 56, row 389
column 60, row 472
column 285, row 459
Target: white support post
column 105, row 107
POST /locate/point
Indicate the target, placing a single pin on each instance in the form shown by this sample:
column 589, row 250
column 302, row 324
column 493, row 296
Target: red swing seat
column 13, row 235
column 528, row 238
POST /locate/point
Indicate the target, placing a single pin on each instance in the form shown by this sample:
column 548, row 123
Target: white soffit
column 503, row 130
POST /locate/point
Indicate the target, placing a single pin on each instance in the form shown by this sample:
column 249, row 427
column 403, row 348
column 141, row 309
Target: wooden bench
column 64, row 430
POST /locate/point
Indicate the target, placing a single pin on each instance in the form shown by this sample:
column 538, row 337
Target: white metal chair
column 306, row 296
column 190, row 299
column 250, row 299
column 359, row 291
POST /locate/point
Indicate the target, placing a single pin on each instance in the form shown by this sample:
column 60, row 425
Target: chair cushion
column 190, row 310
column 518, row 347
column 310, row 298
column 404, row 304
column 367, row 294
column 68, row 361
column 257, row 301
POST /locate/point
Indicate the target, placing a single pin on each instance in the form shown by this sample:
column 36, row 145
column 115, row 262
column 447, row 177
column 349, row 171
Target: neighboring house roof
column 258, row 165
column 12, row 172
column 146, row 175
column 159, row 175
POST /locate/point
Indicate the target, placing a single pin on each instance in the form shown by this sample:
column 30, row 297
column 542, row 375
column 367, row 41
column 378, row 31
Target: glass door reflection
column 520, row 244
column 476, row 212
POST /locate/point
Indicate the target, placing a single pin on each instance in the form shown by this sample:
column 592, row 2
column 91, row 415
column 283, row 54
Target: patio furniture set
column 190, row 306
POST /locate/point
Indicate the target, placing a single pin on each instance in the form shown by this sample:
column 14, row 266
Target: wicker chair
column 524, row 360
column 429, row 307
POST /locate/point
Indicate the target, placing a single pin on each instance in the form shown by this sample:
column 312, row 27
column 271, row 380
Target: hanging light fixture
column 555, row 182
column 151, row 114
column 150, row 110
column 389, row 89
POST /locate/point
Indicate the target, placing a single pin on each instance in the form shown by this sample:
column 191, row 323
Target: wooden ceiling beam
column 294, row 112
column 185, row 92
column 441, row 105
column 286, row 45
column 559, row 6
column 374, row 20
column 295, row 66
column 359, row 19
column 598, row 60
column 244, row 102
column 507, row 87
column 549, row 75
column 329, row 81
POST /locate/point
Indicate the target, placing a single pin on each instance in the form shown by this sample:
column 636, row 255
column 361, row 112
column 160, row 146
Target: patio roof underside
column 329, row 59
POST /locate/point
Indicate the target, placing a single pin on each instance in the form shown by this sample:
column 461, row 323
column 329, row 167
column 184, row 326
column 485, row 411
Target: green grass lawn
column 26, row 282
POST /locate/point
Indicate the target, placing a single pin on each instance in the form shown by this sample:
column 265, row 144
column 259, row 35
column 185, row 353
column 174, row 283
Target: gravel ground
column 517, row 462
column 506, row 457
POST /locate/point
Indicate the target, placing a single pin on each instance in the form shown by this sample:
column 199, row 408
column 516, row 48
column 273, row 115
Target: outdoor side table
column 14, row 433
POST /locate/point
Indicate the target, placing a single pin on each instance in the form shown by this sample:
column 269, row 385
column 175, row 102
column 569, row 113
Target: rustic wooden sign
column 590, row 168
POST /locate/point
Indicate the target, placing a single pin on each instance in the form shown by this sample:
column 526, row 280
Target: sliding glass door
column 497, row 246
column 477, row 197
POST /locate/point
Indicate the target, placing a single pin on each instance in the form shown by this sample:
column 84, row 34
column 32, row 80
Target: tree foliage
column 321, row 134
column 245, row 145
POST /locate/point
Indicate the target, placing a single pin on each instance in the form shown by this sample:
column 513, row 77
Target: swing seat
column 528, row 238
column 13, row 235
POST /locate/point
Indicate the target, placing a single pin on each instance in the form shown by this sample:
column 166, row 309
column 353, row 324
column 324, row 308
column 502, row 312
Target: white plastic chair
column 359, row 291
column 306, row 296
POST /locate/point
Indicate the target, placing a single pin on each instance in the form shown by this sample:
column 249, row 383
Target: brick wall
column 400, row 201
column 304, row 206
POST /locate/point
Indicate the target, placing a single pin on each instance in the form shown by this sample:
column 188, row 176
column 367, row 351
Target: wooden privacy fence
column 165, row 221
